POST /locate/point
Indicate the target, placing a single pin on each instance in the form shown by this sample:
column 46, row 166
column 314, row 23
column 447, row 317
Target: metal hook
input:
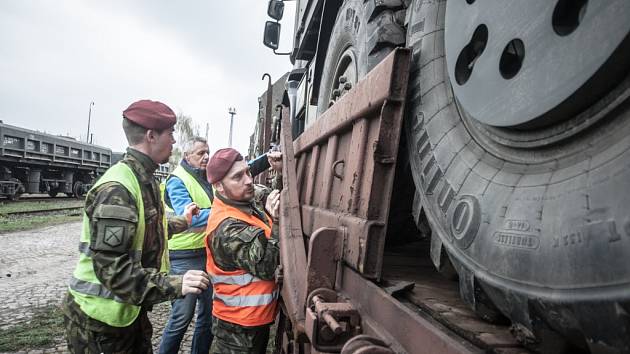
column 335, row 172
column 268, row 78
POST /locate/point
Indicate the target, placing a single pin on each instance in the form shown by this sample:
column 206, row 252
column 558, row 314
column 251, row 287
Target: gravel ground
column 34, row 269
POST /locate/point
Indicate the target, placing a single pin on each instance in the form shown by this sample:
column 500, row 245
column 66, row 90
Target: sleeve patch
column 114, row 236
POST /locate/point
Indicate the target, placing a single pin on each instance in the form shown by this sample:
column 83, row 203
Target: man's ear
column 218, row 186
column 151, row 135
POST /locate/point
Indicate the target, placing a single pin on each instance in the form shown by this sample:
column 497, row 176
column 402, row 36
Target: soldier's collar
column 246, row 207
column 144, row 162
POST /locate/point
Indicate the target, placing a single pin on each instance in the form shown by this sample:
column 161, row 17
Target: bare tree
column 185, row 130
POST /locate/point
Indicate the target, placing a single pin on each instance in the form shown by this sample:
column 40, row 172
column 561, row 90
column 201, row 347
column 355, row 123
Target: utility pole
column 87, row 136
column 232, row 112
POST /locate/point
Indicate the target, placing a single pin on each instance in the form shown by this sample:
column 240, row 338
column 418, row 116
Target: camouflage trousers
column 135, row 338
column 230, row 338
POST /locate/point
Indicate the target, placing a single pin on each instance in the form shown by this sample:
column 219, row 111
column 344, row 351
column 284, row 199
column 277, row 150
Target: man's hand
column 189, row 211
column 275, row 160
column 273, row 204
column 194, row 282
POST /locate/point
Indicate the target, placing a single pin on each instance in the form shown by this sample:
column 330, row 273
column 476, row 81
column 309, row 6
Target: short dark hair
column 134, row 132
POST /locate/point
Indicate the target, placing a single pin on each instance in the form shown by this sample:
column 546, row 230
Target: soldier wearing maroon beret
column 242, row 255
column 150, row 115
column 123, row 263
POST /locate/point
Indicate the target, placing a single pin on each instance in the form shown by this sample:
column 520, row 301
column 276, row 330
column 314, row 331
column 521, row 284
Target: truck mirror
column 272, row 35
column 275, row 9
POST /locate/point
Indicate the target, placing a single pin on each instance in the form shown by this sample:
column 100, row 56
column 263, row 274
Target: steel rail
column 39, row 211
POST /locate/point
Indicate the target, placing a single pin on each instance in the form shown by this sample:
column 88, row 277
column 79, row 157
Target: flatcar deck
column 410, row 275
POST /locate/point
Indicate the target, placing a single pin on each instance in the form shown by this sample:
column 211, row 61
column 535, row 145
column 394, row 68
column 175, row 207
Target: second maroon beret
column 220, row 163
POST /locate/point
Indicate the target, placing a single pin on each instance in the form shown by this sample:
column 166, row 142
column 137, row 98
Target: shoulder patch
column 113, row 235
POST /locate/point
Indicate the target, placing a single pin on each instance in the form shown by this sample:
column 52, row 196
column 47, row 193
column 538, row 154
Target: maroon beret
column 150, row 114
column 220, row 163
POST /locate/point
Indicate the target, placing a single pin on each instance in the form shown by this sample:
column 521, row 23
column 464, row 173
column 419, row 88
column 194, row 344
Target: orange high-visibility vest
column 239, row 297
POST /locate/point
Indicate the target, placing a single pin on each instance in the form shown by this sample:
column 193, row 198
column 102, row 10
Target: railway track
column 25, row 199
column 23, row 213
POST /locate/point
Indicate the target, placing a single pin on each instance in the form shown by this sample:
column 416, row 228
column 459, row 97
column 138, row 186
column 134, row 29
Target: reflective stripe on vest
column 93, row 298
column 94, row 289
column 242, row 279
column 247, row 300
column 238, row 296
column 194, row 237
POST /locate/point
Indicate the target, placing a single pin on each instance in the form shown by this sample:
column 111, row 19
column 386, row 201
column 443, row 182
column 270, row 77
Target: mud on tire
column 540, row 235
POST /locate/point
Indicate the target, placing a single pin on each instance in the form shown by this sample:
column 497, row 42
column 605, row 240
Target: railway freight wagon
column 502, row 131
column 35, row 162
column 160, row 173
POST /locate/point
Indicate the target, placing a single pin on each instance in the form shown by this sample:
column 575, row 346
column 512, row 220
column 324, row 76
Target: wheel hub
column 345, row 76
column 532, row 63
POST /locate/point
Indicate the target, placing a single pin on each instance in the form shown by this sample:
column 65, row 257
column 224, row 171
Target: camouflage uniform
column 238, row 245
column 134, row 282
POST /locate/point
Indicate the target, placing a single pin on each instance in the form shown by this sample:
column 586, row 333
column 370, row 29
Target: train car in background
column 160, row 174
column 36, row 162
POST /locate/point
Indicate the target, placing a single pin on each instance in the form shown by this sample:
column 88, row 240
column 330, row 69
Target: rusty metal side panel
column 292, row 250
column 346, row 162
column 338, row 178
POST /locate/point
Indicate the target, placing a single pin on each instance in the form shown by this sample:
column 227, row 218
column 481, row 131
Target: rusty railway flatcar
column 500, row 133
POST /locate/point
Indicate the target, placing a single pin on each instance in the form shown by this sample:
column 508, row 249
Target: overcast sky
column 199, row 57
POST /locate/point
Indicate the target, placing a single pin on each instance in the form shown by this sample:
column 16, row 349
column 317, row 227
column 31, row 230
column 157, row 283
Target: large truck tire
column 363, row 34
column 532, row 213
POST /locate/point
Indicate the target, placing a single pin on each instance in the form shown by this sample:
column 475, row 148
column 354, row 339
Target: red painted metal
column 323, row 258
column 346, row 163
column 292, row 250
column 404, row 329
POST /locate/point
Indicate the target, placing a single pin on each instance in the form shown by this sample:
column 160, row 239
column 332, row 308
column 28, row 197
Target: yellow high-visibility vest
column 93, row 298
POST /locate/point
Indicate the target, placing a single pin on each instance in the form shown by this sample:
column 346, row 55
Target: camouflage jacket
column 135, row 282
column 238, row 245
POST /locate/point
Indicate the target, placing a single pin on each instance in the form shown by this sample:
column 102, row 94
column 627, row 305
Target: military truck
column 501, row 131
